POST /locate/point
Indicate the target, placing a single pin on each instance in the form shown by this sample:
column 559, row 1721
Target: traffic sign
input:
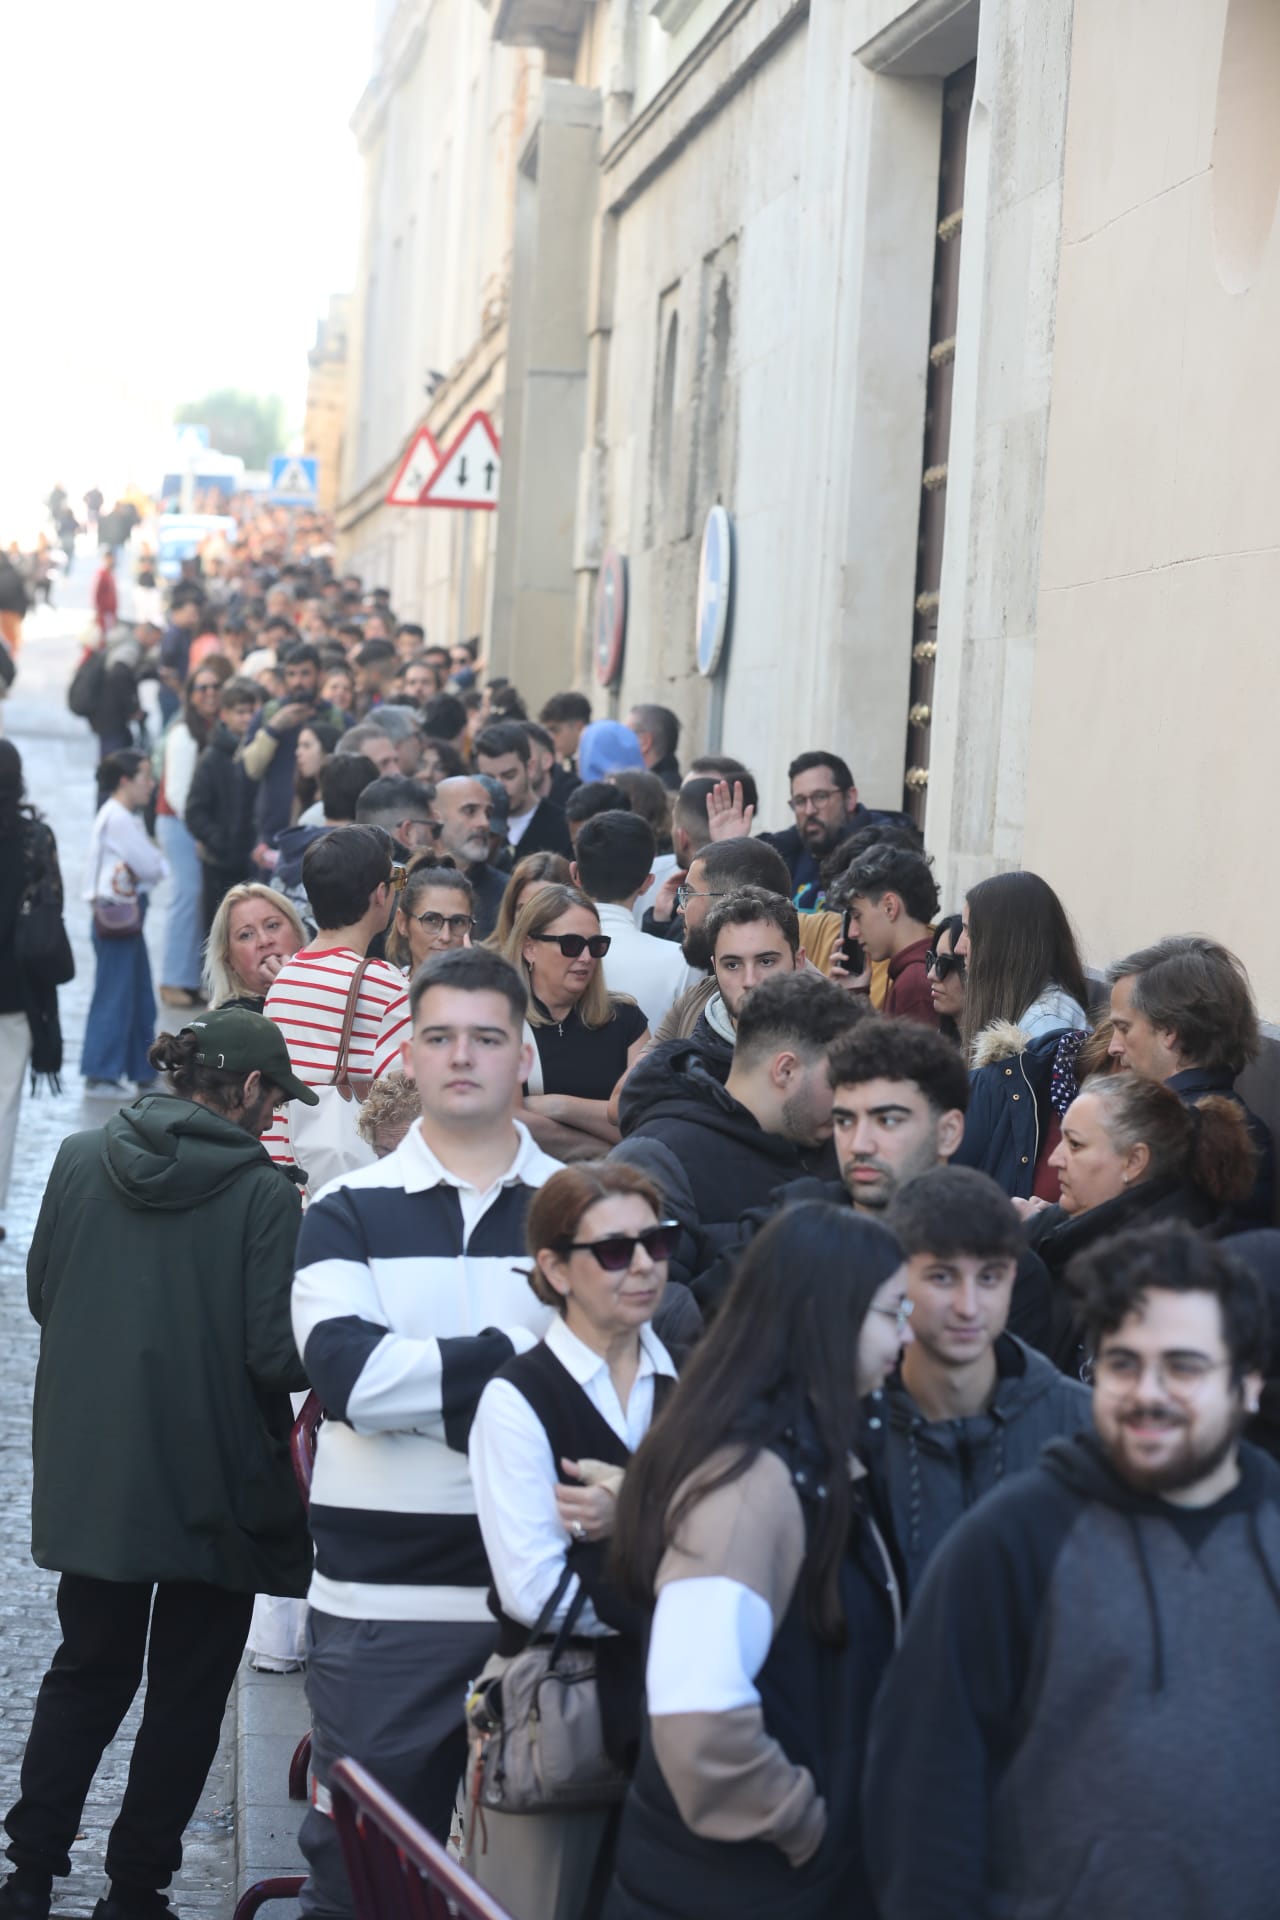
column 416, row 469
column 294, row 480
column 715, row 591
column 469, row 473
column 611, row 616
column 191, row 437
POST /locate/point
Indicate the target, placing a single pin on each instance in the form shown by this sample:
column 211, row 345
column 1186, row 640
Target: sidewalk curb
column 271, row 1718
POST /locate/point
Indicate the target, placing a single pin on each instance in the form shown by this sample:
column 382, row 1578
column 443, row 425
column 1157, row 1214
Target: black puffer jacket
column 220, row 804
column 710, row 1156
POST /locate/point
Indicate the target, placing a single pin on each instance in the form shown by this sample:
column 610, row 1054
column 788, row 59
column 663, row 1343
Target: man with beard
column 899, row 1094
column 1084, row 1696
column 465, row 810
column 711, row 1146
column 824, row 800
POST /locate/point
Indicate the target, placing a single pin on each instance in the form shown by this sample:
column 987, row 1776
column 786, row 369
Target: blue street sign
column 294, row 480
column 715, row 591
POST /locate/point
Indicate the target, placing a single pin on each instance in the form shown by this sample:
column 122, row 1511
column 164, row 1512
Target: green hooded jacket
column 160, row 1273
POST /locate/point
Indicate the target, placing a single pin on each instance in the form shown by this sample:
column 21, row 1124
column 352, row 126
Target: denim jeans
column 122, row 1014
column 183, row 960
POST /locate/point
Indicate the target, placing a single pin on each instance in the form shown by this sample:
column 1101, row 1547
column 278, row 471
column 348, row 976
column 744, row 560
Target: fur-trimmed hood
column 1002, row 1040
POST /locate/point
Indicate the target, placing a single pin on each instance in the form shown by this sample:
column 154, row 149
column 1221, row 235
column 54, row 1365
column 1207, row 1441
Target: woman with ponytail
column 1130, row 1153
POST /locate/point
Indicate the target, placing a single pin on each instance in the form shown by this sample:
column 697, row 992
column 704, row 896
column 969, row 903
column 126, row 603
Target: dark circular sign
column 611, row 616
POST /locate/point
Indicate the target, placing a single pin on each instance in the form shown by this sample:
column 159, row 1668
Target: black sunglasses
column 942, row 964
column 572, row 945
column 617, row 1250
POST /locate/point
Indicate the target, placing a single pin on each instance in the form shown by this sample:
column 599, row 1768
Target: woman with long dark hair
column 1025, row 1001
column 29, row 1031
column 744, row 1517
column 316, row 743
column 945, row 970
column 123, row 866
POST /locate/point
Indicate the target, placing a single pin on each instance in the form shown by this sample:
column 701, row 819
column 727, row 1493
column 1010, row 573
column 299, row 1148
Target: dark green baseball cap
column 236, row 1041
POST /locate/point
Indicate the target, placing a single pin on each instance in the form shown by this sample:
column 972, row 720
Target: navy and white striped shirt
column 409, row 1294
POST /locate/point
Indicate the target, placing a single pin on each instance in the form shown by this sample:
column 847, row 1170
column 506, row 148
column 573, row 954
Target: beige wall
column 1151, row 758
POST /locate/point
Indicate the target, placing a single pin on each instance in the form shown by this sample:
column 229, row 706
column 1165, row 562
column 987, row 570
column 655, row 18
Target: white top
column 516, row 824
column 654, row 972
column 121, row 857
column 664, row 865
column 515, row 1477
column 180, row 756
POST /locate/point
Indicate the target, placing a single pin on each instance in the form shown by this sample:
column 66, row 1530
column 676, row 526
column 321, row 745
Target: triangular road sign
column 295, row 476
column 469, row 474
column 417, row 467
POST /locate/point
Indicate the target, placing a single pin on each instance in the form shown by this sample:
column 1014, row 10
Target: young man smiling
column 971, row 1404
column 1084, row 1697
column 410, row 1293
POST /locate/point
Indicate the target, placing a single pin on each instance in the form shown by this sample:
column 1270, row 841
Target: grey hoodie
column 931, row 1472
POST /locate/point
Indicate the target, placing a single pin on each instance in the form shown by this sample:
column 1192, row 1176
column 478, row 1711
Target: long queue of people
column 795, row 1364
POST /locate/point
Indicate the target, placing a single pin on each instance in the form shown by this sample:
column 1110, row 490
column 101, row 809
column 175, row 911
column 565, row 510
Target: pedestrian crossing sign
column 294, row 480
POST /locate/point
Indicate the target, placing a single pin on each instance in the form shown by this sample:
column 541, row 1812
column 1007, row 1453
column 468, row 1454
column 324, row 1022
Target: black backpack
column 87, row 683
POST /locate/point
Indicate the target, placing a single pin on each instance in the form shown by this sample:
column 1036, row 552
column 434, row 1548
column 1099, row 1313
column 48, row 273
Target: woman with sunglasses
column 434, row 911
column 587, row 1039
column 185, row 739
column 945, row 969
column 551, row 1442
column 746, row 1522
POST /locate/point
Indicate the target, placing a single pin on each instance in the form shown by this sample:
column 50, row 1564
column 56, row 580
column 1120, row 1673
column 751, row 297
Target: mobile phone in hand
column 855, row 959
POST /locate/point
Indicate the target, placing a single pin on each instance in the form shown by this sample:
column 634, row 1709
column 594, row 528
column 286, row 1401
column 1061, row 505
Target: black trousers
column 198, row 1635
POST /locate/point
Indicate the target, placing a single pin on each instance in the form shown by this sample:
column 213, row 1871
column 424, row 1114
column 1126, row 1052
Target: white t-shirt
column 516, row 824
column 308, row 1002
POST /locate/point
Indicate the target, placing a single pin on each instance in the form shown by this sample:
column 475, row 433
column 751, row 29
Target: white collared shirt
column 653, row 972
column 515, row 1477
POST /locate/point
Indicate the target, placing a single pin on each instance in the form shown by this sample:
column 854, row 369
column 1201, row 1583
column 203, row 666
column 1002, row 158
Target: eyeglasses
column 1181, row 1374
column 458, row 924
column 899, row 1314
column 941, row 965
column 572, row 945
column 206, row 686
column 686, row 893
column 617, row 1250
column 807, row 802
column 436, row 826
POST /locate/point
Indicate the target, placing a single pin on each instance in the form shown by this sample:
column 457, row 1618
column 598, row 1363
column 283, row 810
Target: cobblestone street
column 58, row 756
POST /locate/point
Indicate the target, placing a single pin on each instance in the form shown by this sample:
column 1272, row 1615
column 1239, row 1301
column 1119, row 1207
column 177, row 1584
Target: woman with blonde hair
column 254, row 932
column 586, row 1038
column 527, row 876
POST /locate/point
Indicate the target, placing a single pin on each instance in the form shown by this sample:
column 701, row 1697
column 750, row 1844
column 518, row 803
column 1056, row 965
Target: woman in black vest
column 553, row 1434
column 746, row 1519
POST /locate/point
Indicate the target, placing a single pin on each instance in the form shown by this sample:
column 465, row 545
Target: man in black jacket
column 1084, row 1699
column 713, row 1148
column 504, row 752
column 159, row 1273
column 824, row 800
column 219, row 812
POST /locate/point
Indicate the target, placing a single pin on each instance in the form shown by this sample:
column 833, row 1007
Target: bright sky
column 182, row 195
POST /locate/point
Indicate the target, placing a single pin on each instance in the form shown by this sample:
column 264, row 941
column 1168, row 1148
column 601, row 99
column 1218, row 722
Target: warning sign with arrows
column 416, row 469
column 469, row 473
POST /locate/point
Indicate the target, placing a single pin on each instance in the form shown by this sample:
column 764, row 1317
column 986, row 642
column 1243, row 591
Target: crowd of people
column 795, row 1360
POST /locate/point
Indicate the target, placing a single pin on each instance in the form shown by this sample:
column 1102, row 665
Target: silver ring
column 579, row 1531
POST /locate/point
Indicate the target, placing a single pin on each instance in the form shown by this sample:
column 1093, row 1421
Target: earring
column 1124, row 1179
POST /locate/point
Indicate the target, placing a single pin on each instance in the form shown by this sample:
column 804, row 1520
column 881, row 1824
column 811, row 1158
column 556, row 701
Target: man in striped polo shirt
column 347, row 877
column 410, row 1293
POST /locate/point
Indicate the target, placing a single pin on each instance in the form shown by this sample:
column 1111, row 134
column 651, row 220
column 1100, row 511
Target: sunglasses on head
column 616, row 1251
column 943, row 964
column 572, row 945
